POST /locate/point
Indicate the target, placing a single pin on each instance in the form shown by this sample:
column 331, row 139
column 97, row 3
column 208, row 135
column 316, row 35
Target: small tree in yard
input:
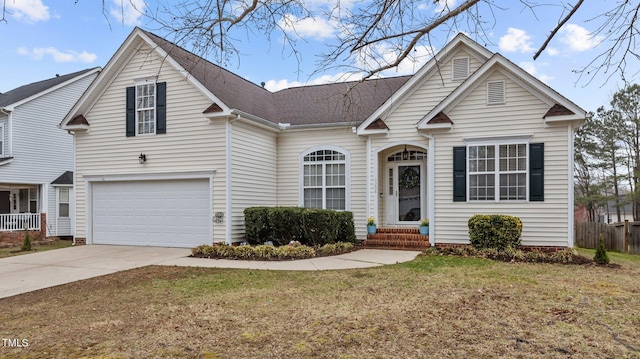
column 26, row 243
column 601, row 256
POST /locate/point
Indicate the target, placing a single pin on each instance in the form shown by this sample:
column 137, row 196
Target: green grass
column 432, row 307
column 15, row 251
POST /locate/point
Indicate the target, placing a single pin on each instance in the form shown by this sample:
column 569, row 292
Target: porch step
column 397, row 238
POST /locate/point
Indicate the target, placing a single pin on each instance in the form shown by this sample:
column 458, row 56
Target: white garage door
column 168, row 213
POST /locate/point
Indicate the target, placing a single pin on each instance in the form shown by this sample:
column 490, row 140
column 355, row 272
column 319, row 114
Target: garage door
column 171, row 213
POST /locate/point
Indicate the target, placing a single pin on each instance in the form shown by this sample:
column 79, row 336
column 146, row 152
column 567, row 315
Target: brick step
column 397, row 238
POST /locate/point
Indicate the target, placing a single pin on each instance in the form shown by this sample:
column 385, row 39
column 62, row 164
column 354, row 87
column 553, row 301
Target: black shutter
column 131, row 111
column 161, row 107
column 459, row 174
column 536, row 172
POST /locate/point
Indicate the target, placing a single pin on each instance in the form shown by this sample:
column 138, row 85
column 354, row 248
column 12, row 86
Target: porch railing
column 20, row 221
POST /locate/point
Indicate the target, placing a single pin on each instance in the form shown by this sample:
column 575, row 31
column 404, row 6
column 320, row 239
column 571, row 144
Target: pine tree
column 601, row 256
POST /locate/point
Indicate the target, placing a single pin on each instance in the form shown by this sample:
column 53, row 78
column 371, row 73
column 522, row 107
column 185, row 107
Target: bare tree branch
column 555, row 30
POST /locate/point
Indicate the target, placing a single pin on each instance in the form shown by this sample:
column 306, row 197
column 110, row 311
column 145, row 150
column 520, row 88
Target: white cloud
column 531, row 68
column 128, row 12
column 277, row 85
column 29, row 10
column 515, row 40
column 578, row 38
column 552, row 51
column 310, row 27
column 445, row 5
column 58, row 56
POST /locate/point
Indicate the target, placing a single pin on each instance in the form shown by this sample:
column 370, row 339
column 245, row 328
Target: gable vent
column 496, row 93
column 460, row 69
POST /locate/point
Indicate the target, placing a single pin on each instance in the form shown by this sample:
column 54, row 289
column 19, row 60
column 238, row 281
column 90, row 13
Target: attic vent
column 460, row 69
column 495, row 93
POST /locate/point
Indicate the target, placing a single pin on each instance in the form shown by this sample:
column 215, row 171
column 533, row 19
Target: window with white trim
column 498, row 171
column 324, row 179
column 146, row 108
column 63, row 202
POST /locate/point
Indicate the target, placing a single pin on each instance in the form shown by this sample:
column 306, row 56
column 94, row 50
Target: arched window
column 325, row 179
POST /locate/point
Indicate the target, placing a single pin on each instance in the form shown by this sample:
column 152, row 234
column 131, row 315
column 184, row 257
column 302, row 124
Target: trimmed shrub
column 256, row 225
column 313, row 227
column 330, row 249
column 495, row 231
column 320, row 226
column 346, row 227
column 285, row 224
column 601, row 256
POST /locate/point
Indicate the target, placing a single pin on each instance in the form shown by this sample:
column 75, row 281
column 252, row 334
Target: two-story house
column 37, row 158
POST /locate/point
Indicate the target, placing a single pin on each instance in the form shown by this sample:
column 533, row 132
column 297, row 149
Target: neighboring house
column 608, row 213
column 36, row 157
column 170, row 148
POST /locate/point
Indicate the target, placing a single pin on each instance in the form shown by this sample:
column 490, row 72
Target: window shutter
column 536, row 172
column 131, row 111
column 161, row 107
column 459, row 174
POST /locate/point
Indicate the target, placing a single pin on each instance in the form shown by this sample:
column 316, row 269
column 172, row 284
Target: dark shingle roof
column 29, row 90
column 65, row 178
column 350, row 102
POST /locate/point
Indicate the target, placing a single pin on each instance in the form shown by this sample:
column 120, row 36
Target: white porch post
column 431, row 190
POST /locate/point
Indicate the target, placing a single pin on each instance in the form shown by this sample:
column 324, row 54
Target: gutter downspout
column 228, row 178
column 431, row 190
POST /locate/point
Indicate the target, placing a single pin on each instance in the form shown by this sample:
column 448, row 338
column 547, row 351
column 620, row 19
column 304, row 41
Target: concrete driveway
column 29, row 272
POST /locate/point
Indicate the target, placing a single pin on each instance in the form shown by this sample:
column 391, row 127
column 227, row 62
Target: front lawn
column 432, row 307
column 15, row 251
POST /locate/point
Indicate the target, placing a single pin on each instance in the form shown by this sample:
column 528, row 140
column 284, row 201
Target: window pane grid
column 145, row 107
column 324, row 180
column 511, row 172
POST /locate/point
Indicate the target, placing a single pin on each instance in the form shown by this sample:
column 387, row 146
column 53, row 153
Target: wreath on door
column 409, row 178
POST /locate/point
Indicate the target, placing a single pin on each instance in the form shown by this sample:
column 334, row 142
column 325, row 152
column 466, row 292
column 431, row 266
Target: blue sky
column 42, row 38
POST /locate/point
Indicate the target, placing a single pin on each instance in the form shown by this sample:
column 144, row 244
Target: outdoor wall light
column 142, row 158
column 405, row 154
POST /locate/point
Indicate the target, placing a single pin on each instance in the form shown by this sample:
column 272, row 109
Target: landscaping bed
column 268, row 252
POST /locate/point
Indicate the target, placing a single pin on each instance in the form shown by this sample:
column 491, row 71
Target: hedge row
column 312, row 227
column 495, row 231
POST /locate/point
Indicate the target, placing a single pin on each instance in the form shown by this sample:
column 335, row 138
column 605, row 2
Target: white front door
column 405, row 192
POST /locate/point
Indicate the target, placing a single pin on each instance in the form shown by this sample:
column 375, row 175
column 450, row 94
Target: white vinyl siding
column 254, row 171
column 544, row 223
column 192, row 142
column 3, row 142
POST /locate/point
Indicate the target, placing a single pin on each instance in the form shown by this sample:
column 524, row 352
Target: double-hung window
column 325, row 179
column 498, row 171
column 146, row 108
column 63, row 202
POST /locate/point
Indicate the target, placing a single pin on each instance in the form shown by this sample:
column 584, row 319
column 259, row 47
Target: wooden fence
column 623, row 237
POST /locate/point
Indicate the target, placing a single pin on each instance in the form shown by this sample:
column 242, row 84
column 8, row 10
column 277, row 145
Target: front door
column 405, row 192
